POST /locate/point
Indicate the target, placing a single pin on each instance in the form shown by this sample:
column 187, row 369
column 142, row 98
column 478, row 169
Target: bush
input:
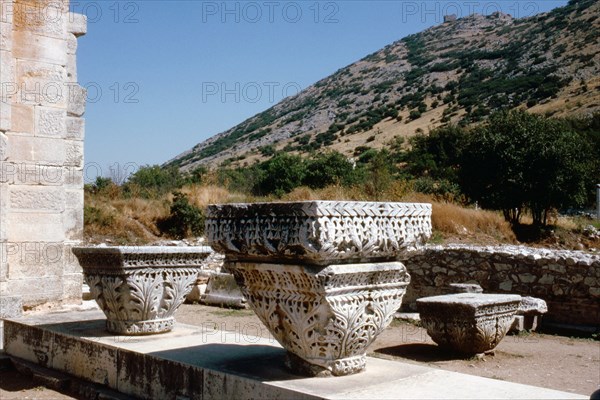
column 151, row 181
column 281, row 174
column 184, row 220
column 327, row 169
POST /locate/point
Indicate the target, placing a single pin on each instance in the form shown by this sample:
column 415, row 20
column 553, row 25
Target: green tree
column 379, row 167
column 280, row 174
column 326, row 169
column 152, row 180
column 518, row 161
column 436, row 155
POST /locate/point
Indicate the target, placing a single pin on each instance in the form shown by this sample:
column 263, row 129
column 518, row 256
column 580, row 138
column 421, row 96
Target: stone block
column 5, row 116
column 464, row 288
column 50, row 122
column 42, row 84
column 11, row 306
column 73, row 223
column 72, row 287
column 73, row 177
column 35, row 227
column 77, row 24
column 3, row 211
column 75, row 128
column 36, row 47
column 40, row 198
column 45, row 17
column 158, row 277
column 70, row 263
column 222, row 291
column 28, row 260
column 31, row 173
column 84, row 358
column 71, row 66
column 23, row 118
column 3, row 147
column 74, row 153
column 317, row 326
column 468, row 323
column 35, row 291
column 6, row 35
column 3, row 263
column 71, row 44
column 317, row 232
column 8, row 83
column 532, row 306
column 46, row 151
column 29, row 343
column 77, row 98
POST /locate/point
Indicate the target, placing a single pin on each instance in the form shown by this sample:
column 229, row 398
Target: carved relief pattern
column 469, row 334
column 328, row 318
column 318, row 231
column 140, row 301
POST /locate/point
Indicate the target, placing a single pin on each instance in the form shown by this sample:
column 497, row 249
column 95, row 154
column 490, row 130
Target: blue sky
column 165, row 75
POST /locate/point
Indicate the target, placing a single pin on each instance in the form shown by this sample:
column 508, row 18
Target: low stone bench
column 468, row 323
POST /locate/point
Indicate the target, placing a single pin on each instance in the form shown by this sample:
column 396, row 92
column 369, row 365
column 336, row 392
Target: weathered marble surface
column 322, row 276
column 568, row 281
column 317, row 232
column 469, row 323
column 325, row 317
column 140, row 288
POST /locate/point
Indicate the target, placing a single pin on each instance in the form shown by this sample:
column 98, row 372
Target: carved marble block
column 317, row 232
column 140, row 288
column 469, row 323
column 323, row 276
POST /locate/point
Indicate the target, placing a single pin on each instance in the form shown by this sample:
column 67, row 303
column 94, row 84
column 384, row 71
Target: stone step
column 191, row 362
column 65, row 383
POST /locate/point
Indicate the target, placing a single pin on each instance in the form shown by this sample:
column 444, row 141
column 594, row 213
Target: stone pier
column 321, row 275
column 41, row 154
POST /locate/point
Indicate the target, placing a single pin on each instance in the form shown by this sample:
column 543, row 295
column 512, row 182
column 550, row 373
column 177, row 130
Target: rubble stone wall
column 569, row 281
column 41, row 151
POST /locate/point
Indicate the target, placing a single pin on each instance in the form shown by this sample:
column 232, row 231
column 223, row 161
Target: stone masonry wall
column 41, row 152
column 569, row 281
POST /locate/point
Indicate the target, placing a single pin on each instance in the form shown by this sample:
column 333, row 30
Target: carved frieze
column 317, row 232
column 326, row 317
column 140, row 288
column 469, row 323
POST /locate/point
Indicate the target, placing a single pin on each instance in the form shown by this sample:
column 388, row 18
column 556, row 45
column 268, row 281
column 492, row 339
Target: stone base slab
column 222, row 291
column 192, row 362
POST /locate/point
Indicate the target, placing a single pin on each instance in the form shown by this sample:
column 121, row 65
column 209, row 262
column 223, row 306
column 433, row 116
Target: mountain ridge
column 456, row 72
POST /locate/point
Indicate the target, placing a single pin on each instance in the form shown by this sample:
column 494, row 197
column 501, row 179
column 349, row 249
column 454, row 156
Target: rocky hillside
column 456, row 72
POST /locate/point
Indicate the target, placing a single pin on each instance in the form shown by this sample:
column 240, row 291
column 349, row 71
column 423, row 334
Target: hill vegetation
column 524, row 166
column 456, row 73
column 481, row 112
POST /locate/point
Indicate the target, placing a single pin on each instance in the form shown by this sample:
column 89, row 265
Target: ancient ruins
column 325, row 277
column 140, row 288
column 468, row 323
column 41, row 154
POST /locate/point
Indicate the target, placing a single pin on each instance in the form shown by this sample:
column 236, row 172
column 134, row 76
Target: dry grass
column 122, row 220
column 201, row 196
column 134, row 220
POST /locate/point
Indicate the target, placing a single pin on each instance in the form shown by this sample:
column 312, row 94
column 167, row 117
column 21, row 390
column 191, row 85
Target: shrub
column 327, row 169
column 184, row 220
column 280, row 175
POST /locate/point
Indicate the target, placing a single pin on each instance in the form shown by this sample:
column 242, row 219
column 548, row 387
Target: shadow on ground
column 421, row 352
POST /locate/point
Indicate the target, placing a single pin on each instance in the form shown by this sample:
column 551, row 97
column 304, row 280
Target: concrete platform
column 201, row 363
